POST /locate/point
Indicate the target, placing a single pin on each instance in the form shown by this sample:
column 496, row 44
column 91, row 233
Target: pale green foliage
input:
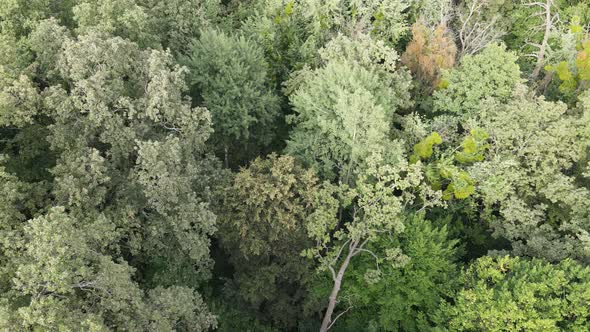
column 19, row 17
column 177, row 22
column 127, row 188
column 45, row 42
column 19, row 97
column 164, row 136
column 375, row 206
column 343, row 113
column 374, row 55
column 264, row 229
column 432, row 12
column 526, row 177
column 493, row 73
column 73, row 285
column 165, row 175
column 12, row 194
column 229, row 75
column 125, row 18
column 12, row 60
column 150, row 23
column 513, row 294
column 384, row 19
column 19, row 100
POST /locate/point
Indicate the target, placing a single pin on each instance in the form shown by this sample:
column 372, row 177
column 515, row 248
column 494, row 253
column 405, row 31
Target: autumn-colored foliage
column 429, row 52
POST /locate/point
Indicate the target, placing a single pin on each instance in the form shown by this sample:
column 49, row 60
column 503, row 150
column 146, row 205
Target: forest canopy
column 294, row 165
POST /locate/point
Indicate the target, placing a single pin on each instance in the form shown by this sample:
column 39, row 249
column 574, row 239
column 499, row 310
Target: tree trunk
column 225, row 150
column 546, row 80
column 543, row 47
column 336, row 288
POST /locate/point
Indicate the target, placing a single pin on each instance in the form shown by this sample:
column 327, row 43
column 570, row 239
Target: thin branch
column 372, row 254
column 340, row 314
column 333, row 272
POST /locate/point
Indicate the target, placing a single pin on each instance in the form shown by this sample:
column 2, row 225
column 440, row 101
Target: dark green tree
column 263, row 227
column 229, row 76
column 386, row 296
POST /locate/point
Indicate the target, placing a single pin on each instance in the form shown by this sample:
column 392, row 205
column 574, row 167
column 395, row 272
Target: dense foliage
column 301, row 165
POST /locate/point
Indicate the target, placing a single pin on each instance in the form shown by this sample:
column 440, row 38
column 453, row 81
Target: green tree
column 19, row 17
column 530, row 192
column 384, row 19
column 263, row 227
column 68, row 284
column 386, row 296
column 514, row 294
column 343, row 112
column 291, row 32
column 280, row 29
column 149, row 23
column 129, row 189
column 229, row 76
column 493, row 73
column 350, row 220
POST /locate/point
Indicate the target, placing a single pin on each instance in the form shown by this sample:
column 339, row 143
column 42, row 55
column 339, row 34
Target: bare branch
column 333, row 272
column 340, row 314
column 340, row 252
column 372, row 254
column 475, row 33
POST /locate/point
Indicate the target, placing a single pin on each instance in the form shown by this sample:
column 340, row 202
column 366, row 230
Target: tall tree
column 511, row 293
column 229, row 76
column 123, row 195
column 147, row 22
column 530, row 190
column 263, row 226
column 493, row 73
column 343, row 112
column 350, row 219
column 401, row 295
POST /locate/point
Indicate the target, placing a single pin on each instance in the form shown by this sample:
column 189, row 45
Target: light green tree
column 493, row 73
column 531, row 194
column 343, row 113
column 69, row 284
column 149, row 23
column 19, row 17
column 384, row 19
column 511, row 293
column 129, row 189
